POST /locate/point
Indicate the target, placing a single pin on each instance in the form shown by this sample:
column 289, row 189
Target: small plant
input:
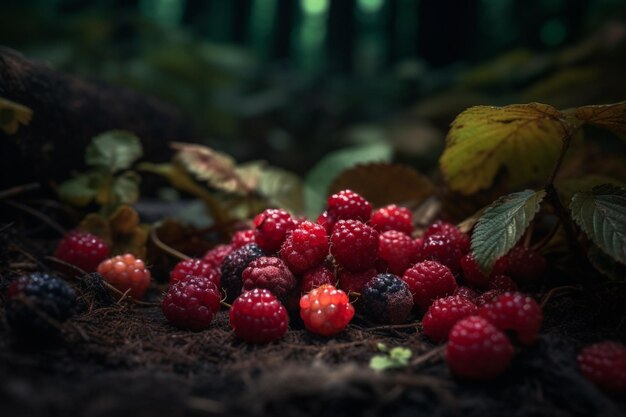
column 397, row 357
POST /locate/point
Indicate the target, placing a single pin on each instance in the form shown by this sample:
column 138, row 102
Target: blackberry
column 36, row 301
column 386, row 299
column 233, row 267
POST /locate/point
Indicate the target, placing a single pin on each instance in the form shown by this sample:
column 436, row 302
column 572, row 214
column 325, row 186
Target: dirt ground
column 118, row 359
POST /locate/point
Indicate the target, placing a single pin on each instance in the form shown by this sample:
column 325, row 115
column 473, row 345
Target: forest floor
column 117, row 359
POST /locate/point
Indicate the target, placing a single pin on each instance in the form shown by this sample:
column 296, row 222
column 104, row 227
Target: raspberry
column 269, row 273
column 443, row 313
column 348, row 205
column 446, row 249
column 355, row 281
column 215, row 256
column 525, row 264
column 502, row 283
column 387, row 299
column 271, row 228
column 487, row 297
column 516, row 312
column 428, row 281
column 477, row 349
column 317, row 277
column 305, row 247
column 354, row 245
column 397, row 252
column 82, row 249
column 604, row 364
column 195, row 267
column 234, row 265
column 467, row 293
column 31, row 299
column 326, row 310
column 392, row 217
column 474, row 276
column 326, row 222
column 440, row 227
column 191, row 302
column 242, row 238
column 126, row 273
column 258, row 317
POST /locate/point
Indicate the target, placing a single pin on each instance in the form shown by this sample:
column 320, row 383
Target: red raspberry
column 477, row 349
column 242, row 238
column 191, row 302
column 604, row 364
column 305, row 247
column 487, row 297
column 474, row 276
column 126, row 273
column 326, row 310
column 397, row 252
column 447, row 249
column 269, row 273
column 516, row 312
column 215, row 256
column 317, row 277
column 355, row 281
column 348, row 205
column 467, row 293
column 354, row 245
column 443, row 313
column 195, row 267
column 82, row 249
column 271, row 228
column 327, row 222
column 386, row 299
column 428, row 281
column 258, row 317
column 525, row 264
column 441, row 227
column 392, row 217
column 502, row 283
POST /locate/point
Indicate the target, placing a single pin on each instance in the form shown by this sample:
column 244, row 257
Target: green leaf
column 126, row 188
column 397, row 357
column 281, row 188
column 12, row 115
column 522, row 139
column 319, row 178
column 115, row 150
column 604, row 264
column 400, row 354
column 80, row 190
column 601, row 214
column 381, row 363
column 502, row 224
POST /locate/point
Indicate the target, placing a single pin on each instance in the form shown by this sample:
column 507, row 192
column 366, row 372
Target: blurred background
column 291, row 81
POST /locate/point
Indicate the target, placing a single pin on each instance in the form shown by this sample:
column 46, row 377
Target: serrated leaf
column 382, row 184
column 567, row 187
column 126, row 188
column 282, row 188
column 606, row 265
column 78, row 191
column 608, row 116
column 215, row 168
column 502, row 224
column 114, row 150
column 522, row 139
column 12, row 115
column 601, row 214
column 319, row 178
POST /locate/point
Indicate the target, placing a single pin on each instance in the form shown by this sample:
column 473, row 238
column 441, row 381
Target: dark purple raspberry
column 386, row 299
column 269, row 273
column 191, row 303
column 233, row 267
column 34, row 302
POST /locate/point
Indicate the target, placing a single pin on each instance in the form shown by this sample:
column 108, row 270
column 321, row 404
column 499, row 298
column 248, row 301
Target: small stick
column 418, row 360
column 394, row 326
column 18, row 189
column 553, row 291
column 165, row 248
column 36, row 213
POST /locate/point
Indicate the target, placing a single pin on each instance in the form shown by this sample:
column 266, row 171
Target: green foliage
column 502, row 224
column 106, row 183
column 12, row 115
column 397, row 357
column 601, row 214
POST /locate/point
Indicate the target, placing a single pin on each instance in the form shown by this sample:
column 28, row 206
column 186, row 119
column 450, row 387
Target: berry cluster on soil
column 285, row 317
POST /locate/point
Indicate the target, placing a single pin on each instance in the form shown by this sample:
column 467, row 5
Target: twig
column 553, row 291
column 9, row 192
column 394, row 326
column 165, row 248
column 418, row 360
column 36, row 213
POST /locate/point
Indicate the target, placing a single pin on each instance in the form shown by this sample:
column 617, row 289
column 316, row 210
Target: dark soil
column 124, row 359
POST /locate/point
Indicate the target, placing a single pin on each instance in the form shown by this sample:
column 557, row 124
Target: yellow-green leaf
column 114, row 150
column 78, row 191
column 12, row 115
column 522, row 139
